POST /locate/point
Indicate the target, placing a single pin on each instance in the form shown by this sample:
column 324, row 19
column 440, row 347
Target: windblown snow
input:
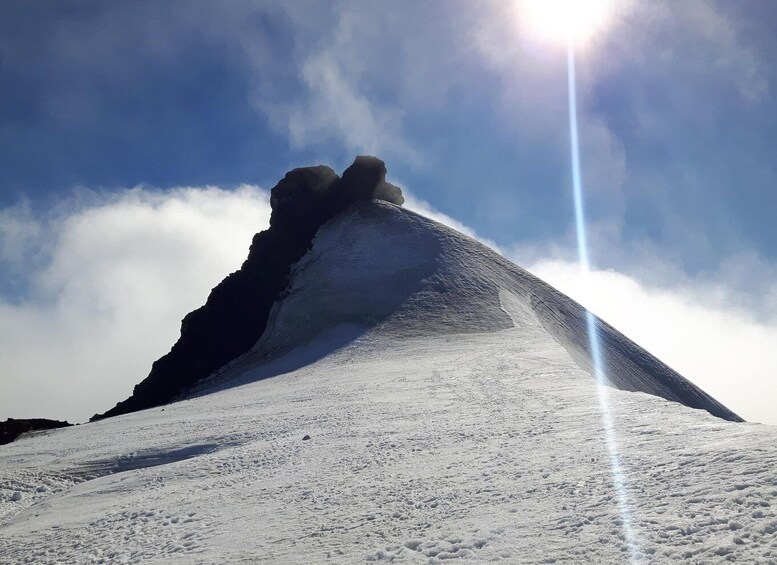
column 451, row 414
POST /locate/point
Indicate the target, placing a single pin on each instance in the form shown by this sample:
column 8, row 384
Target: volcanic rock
column 13, row 428
column 235, row 314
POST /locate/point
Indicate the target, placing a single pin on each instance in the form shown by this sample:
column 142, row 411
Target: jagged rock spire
column 235, row 314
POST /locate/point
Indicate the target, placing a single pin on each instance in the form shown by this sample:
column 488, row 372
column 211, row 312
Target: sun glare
column 574, row 32
column 566, row 20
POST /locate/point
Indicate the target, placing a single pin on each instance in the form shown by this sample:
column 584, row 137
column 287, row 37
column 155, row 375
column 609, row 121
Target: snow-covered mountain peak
column 380, row 271
column 341, row 260
column 429, row 401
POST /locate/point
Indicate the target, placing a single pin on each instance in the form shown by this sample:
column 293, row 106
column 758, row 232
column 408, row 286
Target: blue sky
column 466, row 106
column 677, row 109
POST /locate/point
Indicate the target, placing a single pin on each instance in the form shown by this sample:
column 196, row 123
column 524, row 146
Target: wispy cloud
column 426, row 209
column 19, row 231
column 343, row 98
column 335, row 110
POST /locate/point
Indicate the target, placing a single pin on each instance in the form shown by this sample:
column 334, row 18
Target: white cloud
column 120, row 273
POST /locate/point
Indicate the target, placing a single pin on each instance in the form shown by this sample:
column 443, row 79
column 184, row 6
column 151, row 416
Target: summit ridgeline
column 235, row 314
column 341, row 262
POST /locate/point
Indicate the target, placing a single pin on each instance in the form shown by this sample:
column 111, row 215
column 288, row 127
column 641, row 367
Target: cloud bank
column 107, row 280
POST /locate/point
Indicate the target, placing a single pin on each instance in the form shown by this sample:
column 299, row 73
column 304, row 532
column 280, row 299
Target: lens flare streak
column 591, row 323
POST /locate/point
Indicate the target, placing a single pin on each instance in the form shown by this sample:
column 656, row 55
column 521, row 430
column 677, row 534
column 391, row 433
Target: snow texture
column 451, row 415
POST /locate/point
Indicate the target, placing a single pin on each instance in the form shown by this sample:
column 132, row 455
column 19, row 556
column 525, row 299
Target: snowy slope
column 381, row 264
column 448, row 419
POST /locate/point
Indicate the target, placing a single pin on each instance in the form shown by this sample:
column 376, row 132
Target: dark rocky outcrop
column 13, row 428
column 235, row 314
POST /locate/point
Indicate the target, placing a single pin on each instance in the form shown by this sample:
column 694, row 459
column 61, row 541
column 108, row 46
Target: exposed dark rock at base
column 13, row 428
column 235, row 314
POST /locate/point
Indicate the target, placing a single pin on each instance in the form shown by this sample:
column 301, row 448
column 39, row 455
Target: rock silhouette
column 235, row 314
column 13, row 428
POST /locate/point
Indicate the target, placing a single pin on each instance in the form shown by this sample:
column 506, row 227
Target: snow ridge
column 394, row 273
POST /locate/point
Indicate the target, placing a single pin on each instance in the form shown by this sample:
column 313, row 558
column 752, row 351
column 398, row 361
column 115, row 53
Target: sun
column 575, row 21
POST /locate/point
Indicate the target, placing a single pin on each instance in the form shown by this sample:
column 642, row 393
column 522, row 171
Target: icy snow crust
column 437, row 431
